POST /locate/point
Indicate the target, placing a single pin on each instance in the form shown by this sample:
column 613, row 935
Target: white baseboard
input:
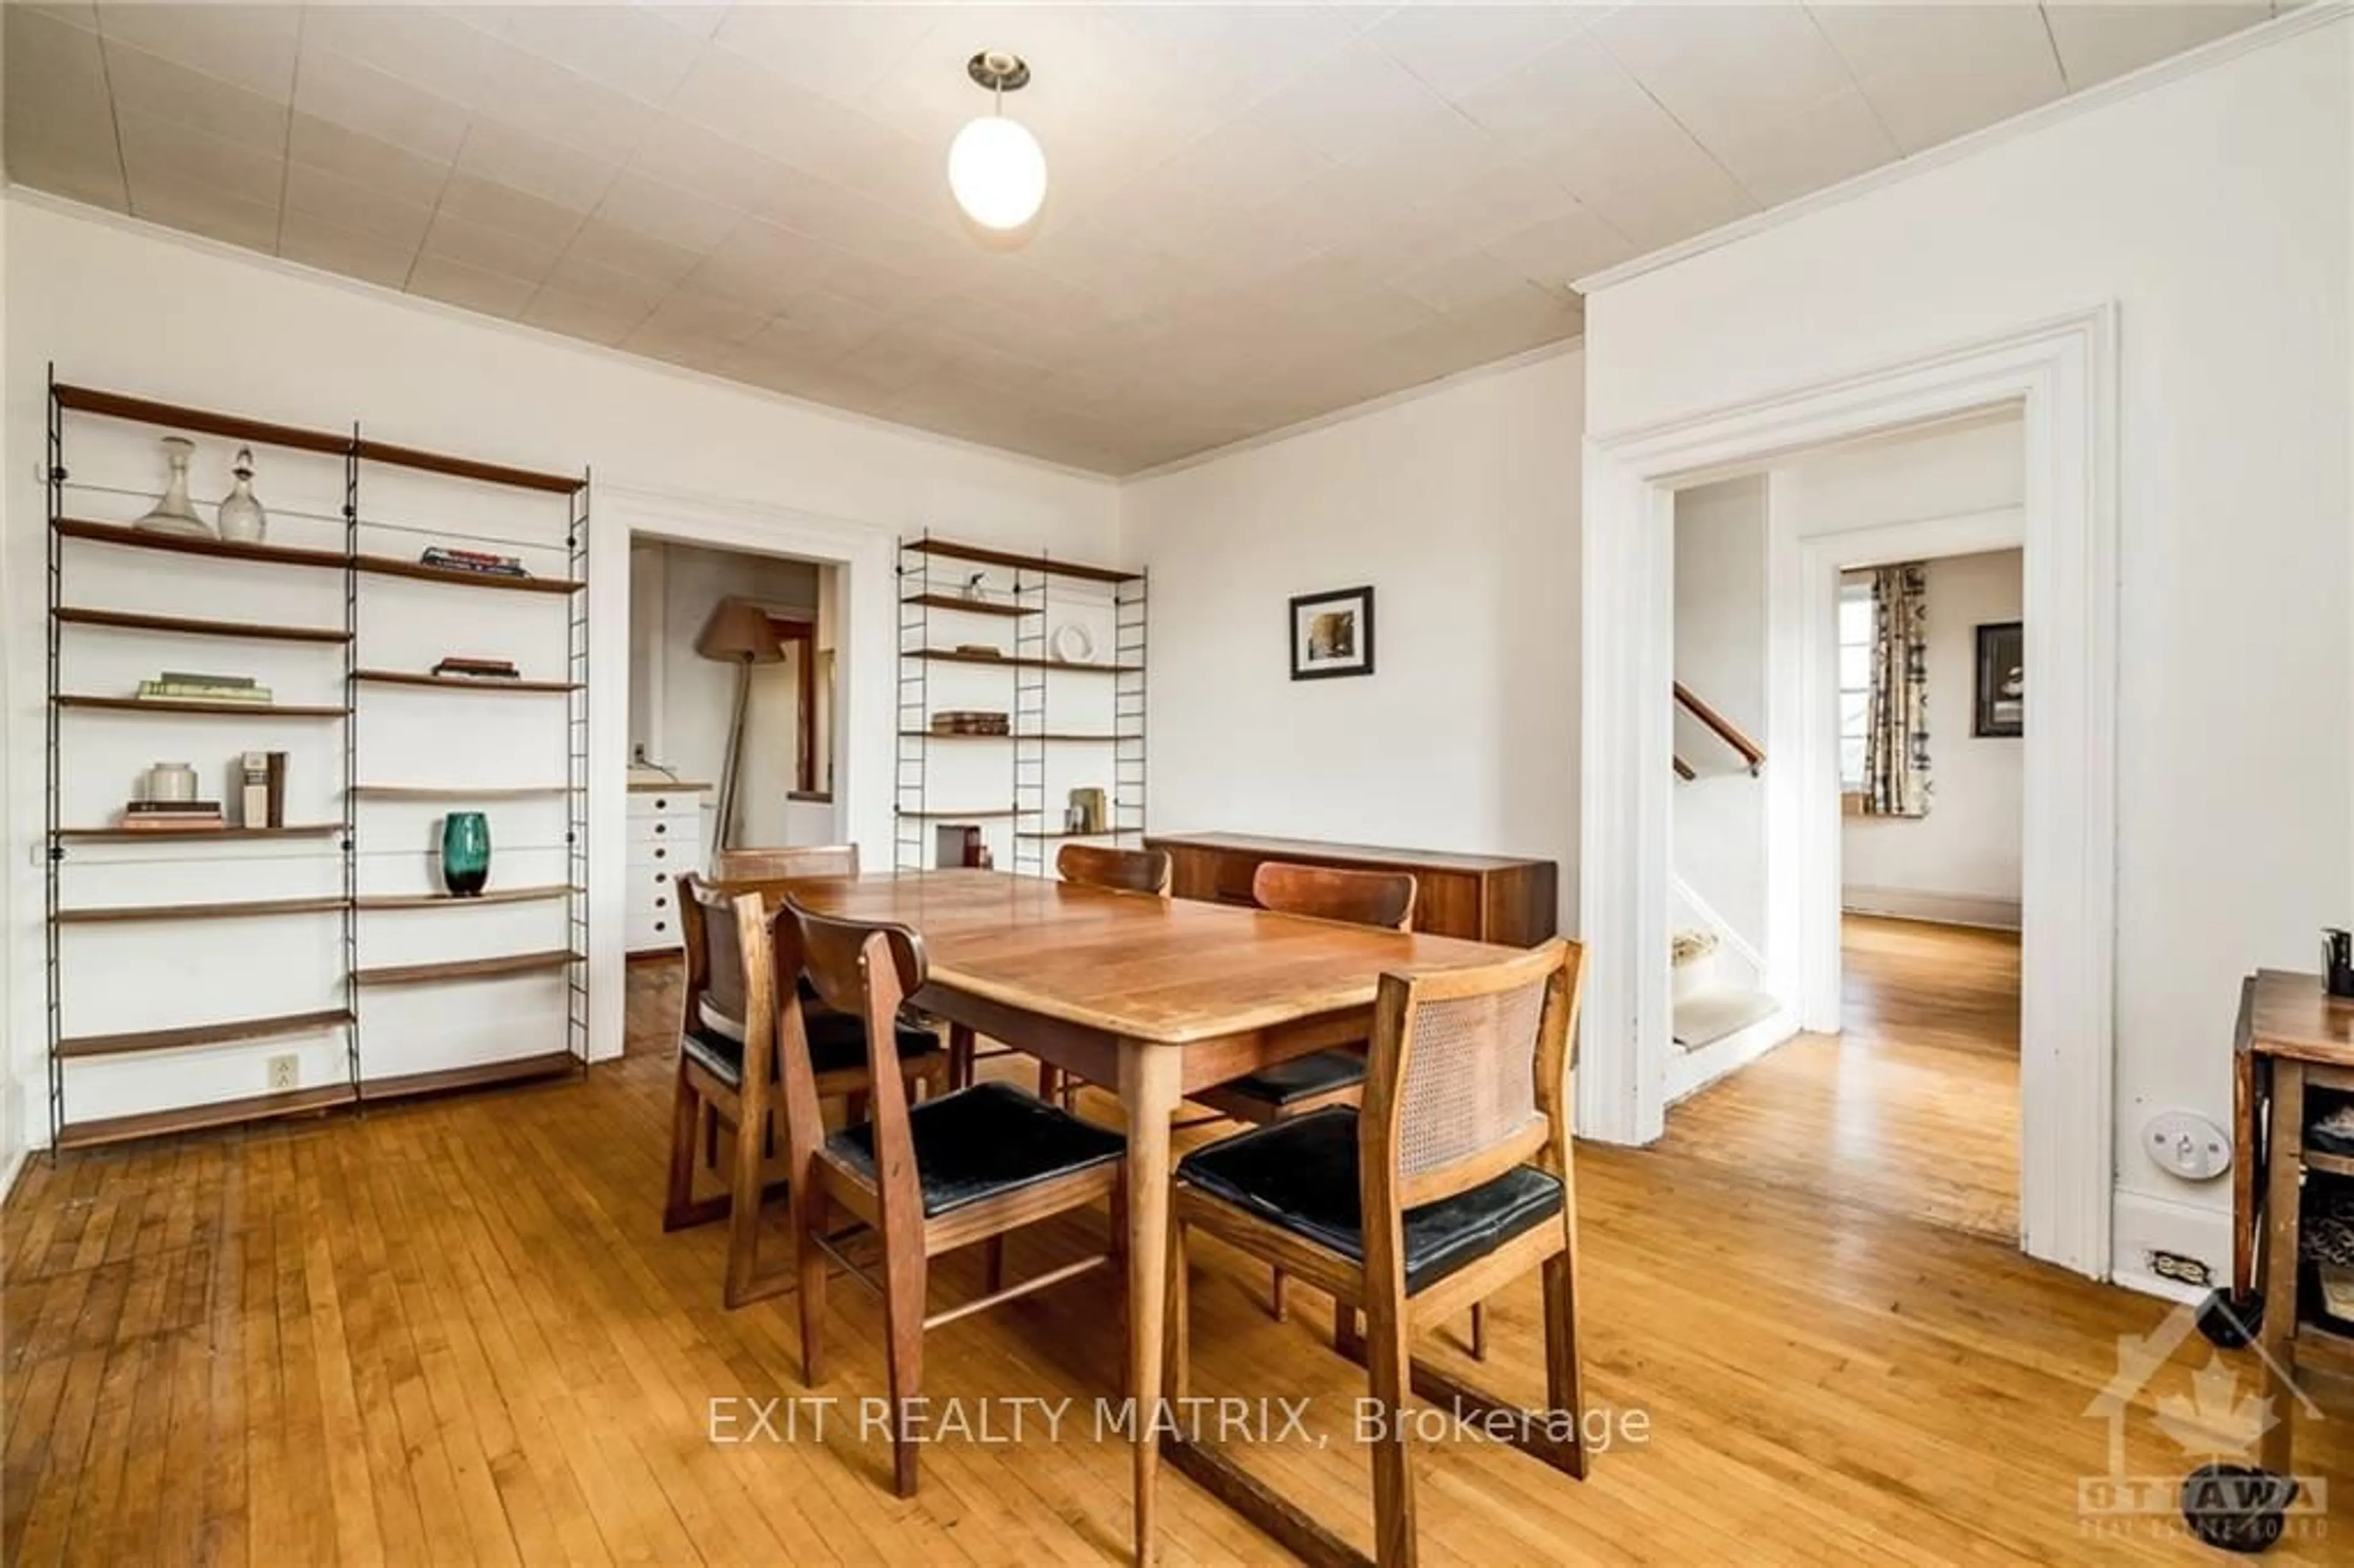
column 1688, row 1072
column 11, row 1170
column 2143, row 1223
column 1943, row 908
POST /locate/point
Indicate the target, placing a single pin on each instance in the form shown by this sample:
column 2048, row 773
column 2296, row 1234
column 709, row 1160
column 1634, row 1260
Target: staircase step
column 1707, row 1017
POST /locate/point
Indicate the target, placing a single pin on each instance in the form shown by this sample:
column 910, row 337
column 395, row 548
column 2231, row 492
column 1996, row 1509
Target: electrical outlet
column 284, row 1071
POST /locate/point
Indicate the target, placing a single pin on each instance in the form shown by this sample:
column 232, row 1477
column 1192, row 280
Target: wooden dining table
column 1147, row 997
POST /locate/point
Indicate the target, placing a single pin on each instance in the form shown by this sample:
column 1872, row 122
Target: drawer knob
column 662, row 876
column 661, row 903
column 660, row 926
column 659, row 854
column 660, row 804
column 662, row 827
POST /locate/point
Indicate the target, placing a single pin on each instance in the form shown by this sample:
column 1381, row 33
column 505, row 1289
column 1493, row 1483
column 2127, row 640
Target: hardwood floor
column 1913, row 1111
column 454, row 1332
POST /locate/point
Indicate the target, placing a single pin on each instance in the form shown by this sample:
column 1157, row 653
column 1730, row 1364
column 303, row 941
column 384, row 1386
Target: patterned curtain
column 1896, row 725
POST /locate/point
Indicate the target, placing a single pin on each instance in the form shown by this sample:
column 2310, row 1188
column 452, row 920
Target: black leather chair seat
column 1302, row 1174
column 1301, row 1079
column 837, row 1039
column 979, row 1142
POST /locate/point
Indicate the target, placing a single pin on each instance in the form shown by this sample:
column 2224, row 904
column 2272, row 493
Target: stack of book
column 262, row 795
column 964, row 721
column 480, row 562
column 463, row 668
column 172, row 816
column 188, row 687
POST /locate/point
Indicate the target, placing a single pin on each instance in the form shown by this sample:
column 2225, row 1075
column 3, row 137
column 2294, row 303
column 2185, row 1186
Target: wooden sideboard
column 1486, row 898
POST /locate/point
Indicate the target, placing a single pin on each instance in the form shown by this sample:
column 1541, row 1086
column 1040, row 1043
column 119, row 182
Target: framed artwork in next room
column 2002, row 709
column 1332, row 634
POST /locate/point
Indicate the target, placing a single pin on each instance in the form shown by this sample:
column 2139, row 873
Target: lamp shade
column 997, row 172
column 738, row 631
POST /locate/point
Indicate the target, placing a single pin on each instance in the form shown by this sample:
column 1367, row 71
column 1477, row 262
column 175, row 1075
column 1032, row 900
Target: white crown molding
column 1387, row 400
column 32, row 197
column 2116, row 90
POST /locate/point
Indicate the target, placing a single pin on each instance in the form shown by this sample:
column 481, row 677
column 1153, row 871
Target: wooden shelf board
column 467, row 467
column 215, row 710
column 196, row 1118
column 2322, row 1159
column 960, row 816
column 116, row 913
column 970, row 606
column 393, row 566
column 546, row 1065
column 196, row 544
column 460, row 683
column 123, row 621
column 1106, row 738
column 981, row 555
column 379, row 901
column 202, row 1033
column 115, row 405
column 1012, row 661
column 1106, row 833
column 454, row 791
column 135, row 836
column 467, row 969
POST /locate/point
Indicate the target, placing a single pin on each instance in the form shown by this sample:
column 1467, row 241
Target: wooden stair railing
column 1724, row 728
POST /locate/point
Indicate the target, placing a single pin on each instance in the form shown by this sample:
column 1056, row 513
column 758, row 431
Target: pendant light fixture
column 995, row 166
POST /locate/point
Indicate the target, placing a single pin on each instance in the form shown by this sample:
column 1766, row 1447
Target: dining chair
column 1451, row 1180
column 728, row 1019
column 785, row 863
column 1330, row 1077
column 1114, row 870
column 928, row 1177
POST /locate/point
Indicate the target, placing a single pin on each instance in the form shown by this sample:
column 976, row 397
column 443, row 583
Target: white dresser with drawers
column 666, row 840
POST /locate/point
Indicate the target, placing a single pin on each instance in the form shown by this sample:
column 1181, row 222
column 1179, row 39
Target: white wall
column 1460, row 507
column 1718, row 820
column 2213, row 208
column 1961, row 861
column 120, row 306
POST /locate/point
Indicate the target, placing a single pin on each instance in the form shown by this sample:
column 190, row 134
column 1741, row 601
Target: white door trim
column 2063, row 374
column 1802, row 801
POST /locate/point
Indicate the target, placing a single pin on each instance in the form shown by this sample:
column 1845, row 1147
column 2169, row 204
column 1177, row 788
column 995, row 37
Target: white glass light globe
column 998, row 173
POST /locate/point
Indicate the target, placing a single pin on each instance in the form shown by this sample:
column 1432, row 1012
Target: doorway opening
column 1898, row 561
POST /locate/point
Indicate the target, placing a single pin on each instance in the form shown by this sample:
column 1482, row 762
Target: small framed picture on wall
column 1332, row 634
column 2002, row 709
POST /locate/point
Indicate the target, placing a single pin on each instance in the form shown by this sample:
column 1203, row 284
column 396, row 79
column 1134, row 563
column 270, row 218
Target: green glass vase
column 465, row 853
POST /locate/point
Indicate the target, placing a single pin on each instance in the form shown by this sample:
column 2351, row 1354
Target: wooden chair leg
column 1563, row 1386
column 1479, row 1330
column 902, row 1315
column 810, row 1207
column 962, row 1049
column 677, row 1197
column 1388, row 1367
column 744, row 1193
column 1050, row 1083
column 1278, row 1305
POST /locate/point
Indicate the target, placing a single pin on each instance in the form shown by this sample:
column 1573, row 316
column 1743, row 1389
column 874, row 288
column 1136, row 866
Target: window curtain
column 1896, row 725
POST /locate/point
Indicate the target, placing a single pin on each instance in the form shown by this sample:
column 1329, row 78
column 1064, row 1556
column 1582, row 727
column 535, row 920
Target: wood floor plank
column 454, row 1331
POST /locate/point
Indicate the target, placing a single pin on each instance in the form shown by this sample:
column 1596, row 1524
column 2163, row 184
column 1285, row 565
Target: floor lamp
column 737, row 633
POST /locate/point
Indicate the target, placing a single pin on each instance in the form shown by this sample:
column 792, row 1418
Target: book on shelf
column 469, row 669
column 253, row 789
column 200, row 678
column 274, row 782
column 477, row 561
column 171, row 691
column 172, row 808
column 171, row 816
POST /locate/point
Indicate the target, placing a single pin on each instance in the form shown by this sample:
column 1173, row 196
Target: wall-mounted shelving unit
column 197, row 1062
column 1073, row 722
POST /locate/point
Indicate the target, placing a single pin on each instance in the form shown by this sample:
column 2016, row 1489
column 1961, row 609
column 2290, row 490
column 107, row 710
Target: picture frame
column 1332, row 634
column 2000, row 712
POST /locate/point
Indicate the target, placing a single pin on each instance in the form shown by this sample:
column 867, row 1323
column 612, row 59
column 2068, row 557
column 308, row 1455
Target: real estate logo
column 2221, row 1501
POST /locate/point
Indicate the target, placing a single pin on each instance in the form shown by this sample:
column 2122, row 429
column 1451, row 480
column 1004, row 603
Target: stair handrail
column 1724, row 728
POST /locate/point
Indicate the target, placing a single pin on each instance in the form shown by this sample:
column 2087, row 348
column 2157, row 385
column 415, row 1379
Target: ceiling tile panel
column 79, row 170
column 1933, row 72
column 608, row 244
column 252, row 46
column 1821, row 144
column 153, row 148
column 548, row 224
column 1353, row 97
column 1456, row 48
column 488, row 249
column 315, row 242
column 508, row 156
column 443, row 49
column 647, row 206
column 633, row 49
column 2097, row 42
column 469, row 288
column 596, row 319
column 150, row 84
column 396, row 173
column 180, row 203
column 1556, row 251
column 359, row 97
column 535, row 94
column 840, row 51
column 56, row 88
column 1722, row 70
column 357, row 205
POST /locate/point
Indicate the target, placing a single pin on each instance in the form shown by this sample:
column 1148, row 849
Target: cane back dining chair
column 727, row 1018
column 1452, row 1178
column 929, row 1178
column 1114, row 870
